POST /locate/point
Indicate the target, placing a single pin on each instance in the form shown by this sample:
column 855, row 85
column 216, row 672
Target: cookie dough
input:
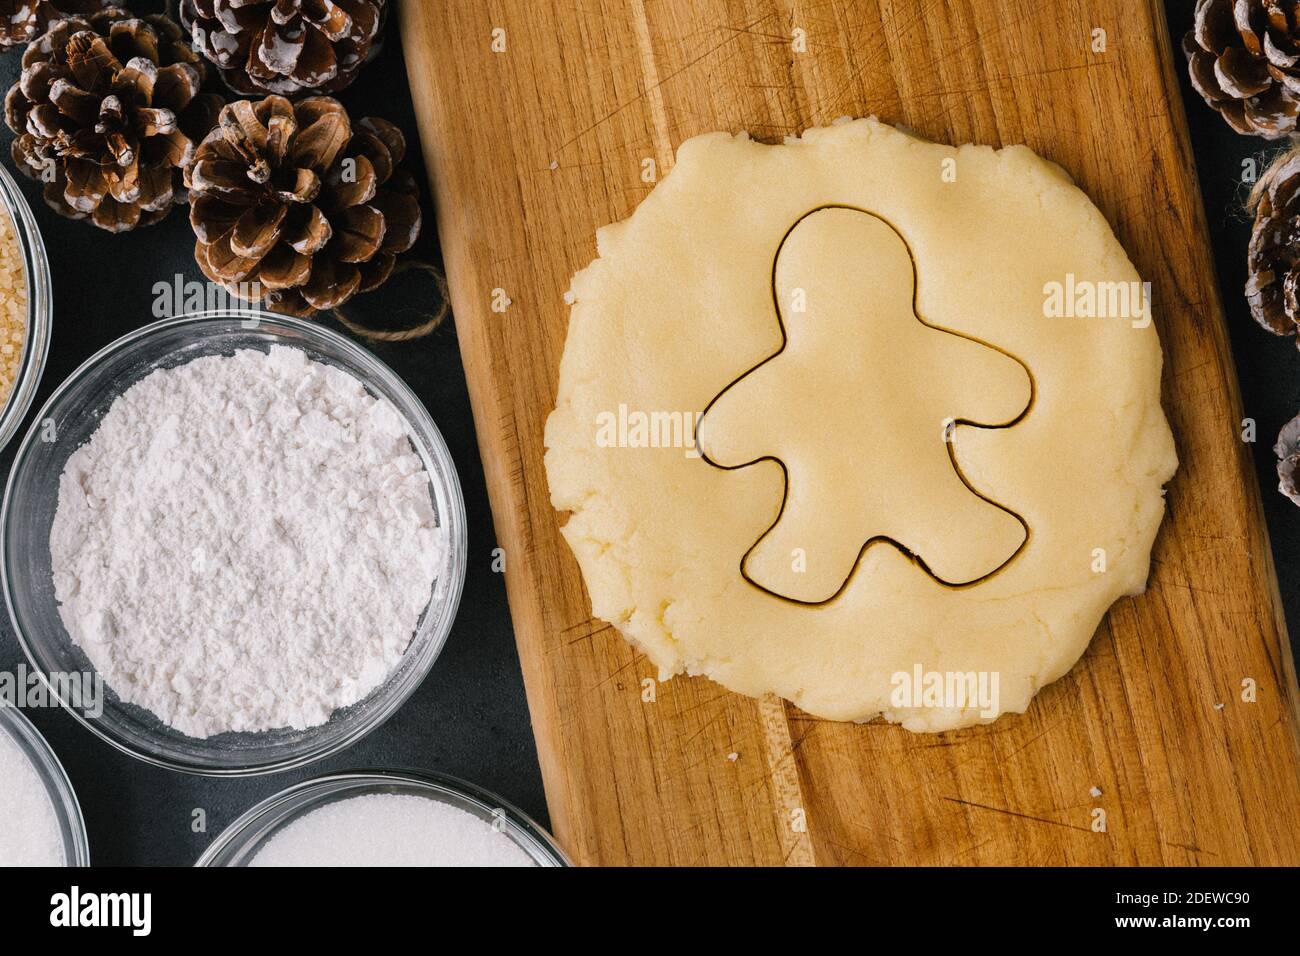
column 1016, row 268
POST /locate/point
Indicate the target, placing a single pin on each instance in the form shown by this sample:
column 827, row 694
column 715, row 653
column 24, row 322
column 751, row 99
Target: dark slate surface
column 469, row 717
column 1268, row 367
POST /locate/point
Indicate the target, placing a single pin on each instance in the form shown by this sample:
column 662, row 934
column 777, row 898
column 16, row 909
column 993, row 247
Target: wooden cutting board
column 533, row 146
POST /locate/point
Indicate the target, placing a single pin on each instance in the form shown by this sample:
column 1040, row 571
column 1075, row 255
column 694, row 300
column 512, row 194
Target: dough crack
column 862, row 407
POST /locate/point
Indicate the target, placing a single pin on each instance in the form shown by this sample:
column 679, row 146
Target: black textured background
column 469, row 717
column 1268, row 367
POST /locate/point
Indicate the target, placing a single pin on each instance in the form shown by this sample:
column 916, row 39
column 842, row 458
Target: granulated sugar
column 246, row 542
column 390, row 829
column 29, row 830
column 13, row 306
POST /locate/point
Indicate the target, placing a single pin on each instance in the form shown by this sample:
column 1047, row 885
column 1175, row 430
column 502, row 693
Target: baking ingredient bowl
column 240, row 842
column 36, row 343
column 70, row 418
column 67, row 812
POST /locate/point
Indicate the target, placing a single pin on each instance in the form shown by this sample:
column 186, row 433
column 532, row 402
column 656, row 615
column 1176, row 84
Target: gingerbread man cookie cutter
column 927, row 381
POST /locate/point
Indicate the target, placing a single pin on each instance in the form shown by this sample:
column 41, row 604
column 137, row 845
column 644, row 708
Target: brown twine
column 430, row 323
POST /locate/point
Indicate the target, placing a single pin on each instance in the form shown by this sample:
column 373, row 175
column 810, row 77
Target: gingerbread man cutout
column 862, row 406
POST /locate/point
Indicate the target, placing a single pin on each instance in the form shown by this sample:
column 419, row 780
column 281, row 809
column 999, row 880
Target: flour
column 246, row 543
column 29, row 830
column 390, row 829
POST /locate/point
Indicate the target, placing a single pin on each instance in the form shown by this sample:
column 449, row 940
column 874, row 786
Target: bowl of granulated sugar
column 382, row 818
column 248, row 528
column 40, row 819
column 25, row 307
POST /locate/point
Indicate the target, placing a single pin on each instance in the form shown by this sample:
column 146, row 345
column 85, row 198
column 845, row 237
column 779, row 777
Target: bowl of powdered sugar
column 248, row 527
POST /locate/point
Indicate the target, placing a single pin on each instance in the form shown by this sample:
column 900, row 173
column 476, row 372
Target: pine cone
column 288, row 197
column 21, row 21
column 1244, row 59
column 107, row 112
column 289, row 47
column 1273, row 256
column 1287, row 450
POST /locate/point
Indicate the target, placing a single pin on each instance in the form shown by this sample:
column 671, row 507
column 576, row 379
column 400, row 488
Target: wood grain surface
column 534, row 147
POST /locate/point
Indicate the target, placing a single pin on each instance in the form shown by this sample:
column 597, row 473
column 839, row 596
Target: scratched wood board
column 536, row 119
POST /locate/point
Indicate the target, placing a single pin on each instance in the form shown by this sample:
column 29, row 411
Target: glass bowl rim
column 457, row 536
column 40, row 308
column 540, row 845
column 72, row 824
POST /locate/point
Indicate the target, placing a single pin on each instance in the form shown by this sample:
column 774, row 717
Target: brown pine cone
column 1244, row 58
column 1287, row 450
column 21, row 21
column 107, row 112
column 294, row 209
column 290, row 47
column 1273, row 256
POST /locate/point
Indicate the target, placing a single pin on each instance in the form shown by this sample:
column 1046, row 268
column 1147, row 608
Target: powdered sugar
column 29, row 830
column 390, row 829
column 246, row 542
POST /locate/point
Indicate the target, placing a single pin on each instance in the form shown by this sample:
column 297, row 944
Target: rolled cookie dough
column 679, row 306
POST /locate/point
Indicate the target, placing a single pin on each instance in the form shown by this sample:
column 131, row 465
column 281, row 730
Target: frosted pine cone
column 22, row 21
column 291, row 47
column 294, row 208
column 108, row 111
column 1244, row 59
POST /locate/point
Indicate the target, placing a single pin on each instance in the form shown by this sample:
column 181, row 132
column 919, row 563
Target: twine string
column 431, row 321
column 1276, row 165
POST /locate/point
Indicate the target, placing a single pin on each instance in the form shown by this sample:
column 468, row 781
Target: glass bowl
column 240, row 842
column 69, row 419
column 76, row 849
column 36, row 343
